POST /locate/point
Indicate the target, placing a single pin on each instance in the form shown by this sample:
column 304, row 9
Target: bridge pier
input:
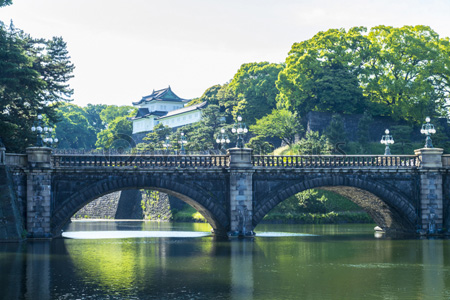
column 241, row 192
column 39, row 180
column 431, row 196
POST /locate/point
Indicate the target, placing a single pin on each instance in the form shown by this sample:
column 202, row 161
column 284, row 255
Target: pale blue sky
column 123, row 49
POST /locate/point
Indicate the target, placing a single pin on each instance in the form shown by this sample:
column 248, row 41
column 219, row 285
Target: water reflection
column 242, row 269
column 314, row 263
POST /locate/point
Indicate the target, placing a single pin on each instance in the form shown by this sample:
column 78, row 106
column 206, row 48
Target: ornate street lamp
column 428, row 130
column 240, row 129
column 387, row 140
column 183, row 142
column 166, row 143
column 38, row 129
column 222, row 139
column 47, row 140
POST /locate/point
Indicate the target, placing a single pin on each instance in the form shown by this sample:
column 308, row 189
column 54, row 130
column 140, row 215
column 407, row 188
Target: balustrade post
column 241, row 192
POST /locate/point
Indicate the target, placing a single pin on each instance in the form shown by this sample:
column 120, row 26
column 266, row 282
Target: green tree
column 93, row 115
column 155, row 139
column 111, row 112
column 118, row 131
column 260, row 145
column 335, row 132
column 74, row 130
column 5, row 2
column 408, row 73
column 402, row 138
column 321, row 73
column 202, row 135
column 363, row 131
column 33, row 80
column 254, row 88
column 402, row 72
column 282, row 124
column 210, row 95
column 312, row 144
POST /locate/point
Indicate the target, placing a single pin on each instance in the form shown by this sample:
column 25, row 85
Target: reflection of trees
column 150, row 266
column 12, row 264
column 341, row 268
column 321, row 267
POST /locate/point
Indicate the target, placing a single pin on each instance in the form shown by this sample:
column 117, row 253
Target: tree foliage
column 321, row 73
column 335, row 132
column 313, row 144
column 202, row 135
column 5, row 2
column 74, row 131
column 34, row 75
column 254, row 89
column 400, row 72
column 155, row 139
column 118, row 128
column 281, row 123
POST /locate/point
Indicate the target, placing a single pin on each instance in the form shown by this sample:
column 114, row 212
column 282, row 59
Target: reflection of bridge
column 235, row 191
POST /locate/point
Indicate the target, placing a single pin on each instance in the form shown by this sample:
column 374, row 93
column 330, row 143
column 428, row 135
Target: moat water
column 145, row 260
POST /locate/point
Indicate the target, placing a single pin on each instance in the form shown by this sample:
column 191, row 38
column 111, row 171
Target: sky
column 125, row 49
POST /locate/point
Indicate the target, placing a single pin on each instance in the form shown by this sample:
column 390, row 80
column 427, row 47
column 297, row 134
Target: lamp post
column 240, row 129
column 387, row 140
column 166, row 143
column 183, row 141
column 47, row 140
column 428, row 129
column 222, row 139
column 38, row 129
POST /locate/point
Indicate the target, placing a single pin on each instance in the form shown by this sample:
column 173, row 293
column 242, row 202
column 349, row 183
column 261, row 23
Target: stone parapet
column 240, row 158
column 430, row 157
column 446, row 161
column 39, row 157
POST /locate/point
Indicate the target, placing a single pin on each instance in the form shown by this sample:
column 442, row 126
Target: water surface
column 144, row 260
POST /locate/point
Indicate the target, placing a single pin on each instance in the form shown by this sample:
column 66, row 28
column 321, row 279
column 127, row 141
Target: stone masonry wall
column 131, row 204
column 446, row 200
column 102, row 208
column 319, row 121
column 11, row 223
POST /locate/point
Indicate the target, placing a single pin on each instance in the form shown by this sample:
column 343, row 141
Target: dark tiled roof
column 143, row 112
column 161, row 95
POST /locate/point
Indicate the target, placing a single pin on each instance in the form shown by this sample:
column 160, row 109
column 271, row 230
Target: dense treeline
column 402, row 73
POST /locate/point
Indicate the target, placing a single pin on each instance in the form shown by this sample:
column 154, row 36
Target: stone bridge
column 404, row 193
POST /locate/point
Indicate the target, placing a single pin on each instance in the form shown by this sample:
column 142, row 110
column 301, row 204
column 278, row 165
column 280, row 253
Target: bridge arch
column 200, row 198
column 390, row 209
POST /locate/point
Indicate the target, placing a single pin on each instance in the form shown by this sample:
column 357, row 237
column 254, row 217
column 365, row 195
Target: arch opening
column 389, row 209
column 214, row 214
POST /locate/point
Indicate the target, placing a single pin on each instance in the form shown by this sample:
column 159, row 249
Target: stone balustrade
column 446, row 160
column 336, row 161
column 143, row 161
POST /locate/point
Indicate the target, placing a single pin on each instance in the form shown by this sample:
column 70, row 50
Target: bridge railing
column 335, row 161
column 446, row 160
column 144, row 161
column 13, row 159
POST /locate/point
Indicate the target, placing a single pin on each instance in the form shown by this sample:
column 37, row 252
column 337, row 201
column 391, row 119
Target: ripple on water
column 131, row 234
column 282, row 234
